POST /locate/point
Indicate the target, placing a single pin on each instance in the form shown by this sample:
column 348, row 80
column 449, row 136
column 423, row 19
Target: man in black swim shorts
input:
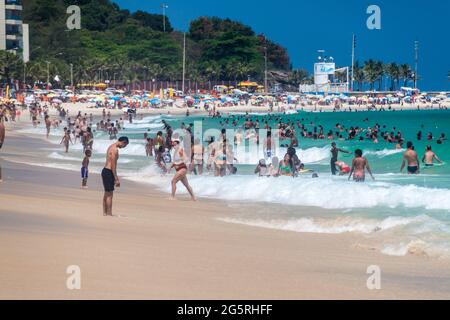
column 411, row 159
column 109, row 174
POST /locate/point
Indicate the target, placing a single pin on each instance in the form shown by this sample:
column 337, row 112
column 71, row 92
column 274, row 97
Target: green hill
column 115, row 43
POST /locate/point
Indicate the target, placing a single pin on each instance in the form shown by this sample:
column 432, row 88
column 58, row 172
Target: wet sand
column 160, row 249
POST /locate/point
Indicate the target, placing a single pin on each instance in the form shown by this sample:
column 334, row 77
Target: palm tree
column 405, row 73
column 379, row 73
column 10, row 66
column 231, row 70
column 358, row 74
column 130, row 76
column 370, row 73
column 393, row 70
column 193, row 75
column 213, row 71
column 242, row 70
column 36, row 71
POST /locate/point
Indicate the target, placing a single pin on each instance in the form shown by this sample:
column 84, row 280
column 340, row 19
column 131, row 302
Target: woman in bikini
column 179, row 158
column 284, row 169
column 359, row 166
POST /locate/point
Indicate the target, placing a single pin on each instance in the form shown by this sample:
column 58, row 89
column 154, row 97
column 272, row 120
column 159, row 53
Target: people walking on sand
column 334, row 157
column 179, row 163
column 359, row 166
column 85, row 169
column 429, row 157
column 411, row 158
column 109, row 174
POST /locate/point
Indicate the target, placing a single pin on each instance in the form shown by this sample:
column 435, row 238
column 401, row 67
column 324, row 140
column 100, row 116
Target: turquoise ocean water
column 397, row 214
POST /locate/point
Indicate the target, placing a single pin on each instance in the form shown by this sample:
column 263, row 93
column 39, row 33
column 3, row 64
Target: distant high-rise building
column 14, row 34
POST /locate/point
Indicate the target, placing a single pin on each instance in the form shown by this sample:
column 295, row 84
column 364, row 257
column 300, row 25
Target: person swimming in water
column 429, row 157
column 410, row 157
column 261, row 169
column 284, row 168
column 359, row 166
column 344, row 168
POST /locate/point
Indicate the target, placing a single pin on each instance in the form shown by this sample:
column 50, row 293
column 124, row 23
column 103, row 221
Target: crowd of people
column 187, row 155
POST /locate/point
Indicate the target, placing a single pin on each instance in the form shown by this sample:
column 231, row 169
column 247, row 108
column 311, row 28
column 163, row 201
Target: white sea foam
column 101, row 146
column 63, row 157
column 328, row 193
column 406, row 235
column 384, row 153
column 331, row 226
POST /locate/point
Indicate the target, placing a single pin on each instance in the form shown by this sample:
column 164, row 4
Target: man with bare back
column 411, row 158
column 109, row 174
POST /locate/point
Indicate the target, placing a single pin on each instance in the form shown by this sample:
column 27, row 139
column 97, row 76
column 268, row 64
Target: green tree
column 393, row 71
column 370, row 73
column 405, row 74
column 10, row 66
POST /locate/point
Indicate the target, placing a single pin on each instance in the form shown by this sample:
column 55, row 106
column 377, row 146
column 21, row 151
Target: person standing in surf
column 429, row 157
column 359, row 166
column 109, row 174
column 179, row 163
column 411, row 157
column 334, row 157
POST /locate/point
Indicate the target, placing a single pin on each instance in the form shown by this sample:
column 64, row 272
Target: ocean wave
column 63, row 157
column 383, row 153
column 328, row 193
column 332, row 226
column 395, row 236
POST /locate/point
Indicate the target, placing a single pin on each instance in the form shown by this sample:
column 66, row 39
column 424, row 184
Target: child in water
column 85, row 169
column 66, row 139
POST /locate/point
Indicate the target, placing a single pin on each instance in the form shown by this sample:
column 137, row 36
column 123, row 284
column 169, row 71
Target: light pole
column 265, row 69
column 71, row 75
column 48, row 72
column 184, row 61
column 353, row 60
column 24, row 74
column 416, row 48
column 164, row 7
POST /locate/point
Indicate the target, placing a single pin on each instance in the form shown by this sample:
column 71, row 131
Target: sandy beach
column 89, row 108
column 160, row 249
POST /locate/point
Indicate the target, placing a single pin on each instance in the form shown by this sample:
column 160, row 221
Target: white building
column 14, row 34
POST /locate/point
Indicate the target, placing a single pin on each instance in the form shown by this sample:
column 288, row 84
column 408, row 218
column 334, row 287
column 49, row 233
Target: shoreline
column 160, row 249
column 88, row 108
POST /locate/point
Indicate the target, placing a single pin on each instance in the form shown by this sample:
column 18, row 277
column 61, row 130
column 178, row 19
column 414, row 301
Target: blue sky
column 303, row 27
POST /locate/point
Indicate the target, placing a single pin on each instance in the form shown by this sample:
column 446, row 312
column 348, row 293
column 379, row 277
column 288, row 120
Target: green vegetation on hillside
column 132, row 47
column 115, row 44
